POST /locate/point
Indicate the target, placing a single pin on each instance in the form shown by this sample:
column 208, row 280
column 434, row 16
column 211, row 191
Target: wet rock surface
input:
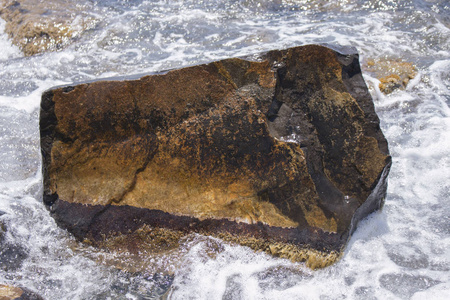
column 38, row 26
column 281, row 152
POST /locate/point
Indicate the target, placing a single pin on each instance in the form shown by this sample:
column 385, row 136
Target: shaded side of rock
column 282, row 153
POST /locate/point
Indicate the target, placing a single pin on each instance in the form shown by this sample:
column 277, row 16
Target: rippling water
column 402, row 252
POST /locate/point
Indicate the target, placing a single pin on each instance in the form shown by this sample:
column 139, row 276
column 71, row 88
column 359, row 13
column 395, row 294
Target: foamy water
column 402, row 252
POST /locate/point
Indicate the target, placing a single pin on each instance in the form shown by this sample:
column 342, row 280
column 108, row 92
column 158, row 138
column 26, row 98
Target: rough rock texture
column 393, row 74
column 281, row 152
column 8, row 292
column 38, row 26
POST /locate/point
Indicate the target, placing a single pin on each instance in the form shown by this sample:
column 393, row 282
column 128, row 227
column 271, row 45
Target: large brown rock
column 281, row 152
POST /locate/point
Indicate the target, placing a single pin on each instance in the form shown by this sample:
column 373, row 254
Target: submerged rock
column 281, row 152
column 138, row 286
column 11, row 255
column 38, row 26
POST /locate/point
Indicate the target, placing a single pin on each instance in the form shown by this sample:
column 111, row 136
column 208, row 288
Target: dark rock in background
column 281, row 152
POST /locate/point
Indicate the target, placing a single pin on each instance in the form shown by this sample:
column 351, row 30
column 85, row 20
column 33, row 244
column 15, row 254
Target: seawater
column 402, row 252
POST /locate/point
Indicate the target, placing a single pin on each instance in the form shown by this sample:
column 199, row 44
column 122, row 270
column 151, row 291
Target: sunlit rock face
column 281, row 151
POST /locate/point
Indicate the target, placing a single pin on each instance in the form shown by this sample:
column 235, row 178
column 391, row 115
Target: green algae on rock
column 281, row 151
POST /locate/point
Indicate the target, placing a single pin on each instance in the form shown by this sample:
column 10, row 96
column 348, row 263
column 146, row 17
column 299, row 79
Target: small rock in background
column 393, row 74
column 39, row 26
column 8, row 292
